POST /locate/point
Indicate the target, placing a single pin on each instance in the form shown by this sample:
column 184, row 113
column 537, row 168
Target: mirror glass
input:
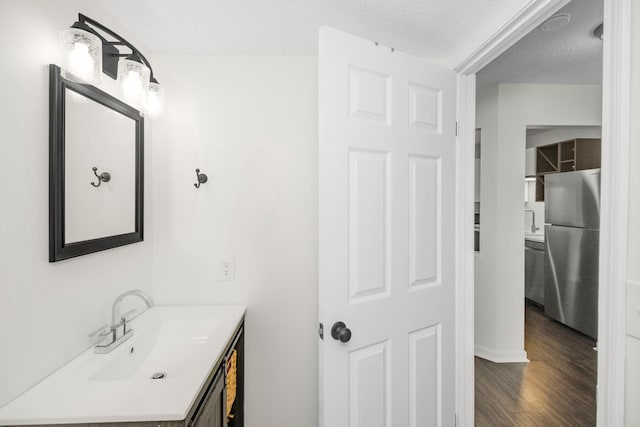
column 92, row 212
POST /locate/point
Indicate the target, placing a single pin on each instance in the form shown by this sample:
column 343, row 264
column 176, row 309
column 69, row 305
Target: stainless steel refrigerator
column 572, row 239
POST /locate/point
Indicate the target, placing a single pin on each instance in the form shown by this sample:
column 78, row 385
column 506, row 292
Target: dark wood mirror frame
column 58, row 249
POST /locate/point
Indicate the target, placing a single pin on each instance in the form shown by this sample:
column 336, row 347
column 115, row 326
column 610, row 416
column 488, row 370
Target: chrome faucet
column 110, row 337
column 533, row 220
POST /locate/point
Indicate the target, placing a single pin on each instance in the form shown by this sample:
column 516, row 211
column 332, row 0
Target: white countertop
column 538, row 237
column 81, row 391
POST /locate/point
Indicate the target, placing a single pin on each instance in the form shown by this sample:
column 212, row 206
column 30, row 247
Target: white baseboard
column 501, row 357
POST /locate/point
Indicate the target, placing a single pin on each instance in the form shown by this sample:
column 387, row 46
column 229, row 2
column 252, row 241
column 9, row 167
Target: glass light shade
column 154, row 100
column 133, row 79
column 81, row 56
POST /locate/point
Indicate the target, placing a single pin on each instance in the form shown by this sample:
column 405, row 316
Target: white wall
column 632, row 384
column 46, row 309
column 250, row 124
column 537, row 207
column 503, row 113
column 485, row 297
column 530, row 161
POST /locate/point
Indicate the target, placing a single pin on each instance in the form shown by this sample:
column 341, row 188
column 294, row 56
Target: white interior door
column 386, row 243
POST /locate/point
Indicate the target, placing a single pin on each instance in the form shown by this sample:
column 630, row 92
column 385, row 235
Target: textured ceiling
column 433, row 28
column 570, row 55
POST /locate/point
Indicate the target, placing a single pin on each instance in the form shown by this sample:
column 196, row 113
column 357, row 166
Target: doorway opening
column 539, row 110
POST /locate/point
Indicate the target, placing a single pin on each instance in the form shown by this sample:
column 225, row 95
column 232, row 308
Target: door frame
column 613, row 211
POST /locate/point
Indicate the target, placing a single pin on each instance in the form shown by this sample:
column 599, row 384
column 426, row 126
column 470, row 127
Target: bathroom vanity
column 181, row 368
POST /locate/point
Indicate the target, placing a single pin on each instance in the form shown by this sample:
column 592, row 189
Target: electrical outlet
column 226, row 269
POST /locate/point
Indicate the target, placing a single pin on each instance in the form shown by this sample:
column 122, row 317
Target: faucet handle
column 125, row 317
column 102, row 331
column 124, row 320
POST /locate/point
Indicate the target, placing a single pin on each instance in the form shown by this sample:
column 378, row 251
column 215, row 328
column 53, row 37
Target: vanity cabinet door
column 211, row 412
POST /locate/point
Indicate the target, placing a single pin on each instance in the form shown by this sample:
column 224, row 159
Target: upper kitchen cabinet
column 565, row 156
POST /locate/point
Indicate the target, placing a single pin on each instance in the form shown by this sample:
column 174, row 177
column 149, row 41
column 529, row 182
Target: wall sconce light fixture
column 86, row 54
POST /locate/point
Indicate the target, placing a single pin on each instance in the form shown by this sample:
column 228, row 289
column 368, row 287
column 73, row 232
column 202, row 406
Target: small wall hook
column 202, row 178
column 103, row 177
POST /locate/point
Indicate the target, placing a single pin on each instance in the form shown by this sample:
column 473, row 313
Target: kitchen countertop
column 537, row 237
column 75, row 394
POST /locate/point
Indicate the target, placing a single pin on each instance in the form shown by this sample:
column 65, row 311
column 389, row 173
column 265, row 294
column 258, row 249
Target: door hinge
column 457, row 127
column 321, row 331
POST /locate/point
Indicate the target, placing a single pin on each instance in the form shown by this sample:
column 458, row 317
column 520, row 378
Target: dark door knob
column 340, row 332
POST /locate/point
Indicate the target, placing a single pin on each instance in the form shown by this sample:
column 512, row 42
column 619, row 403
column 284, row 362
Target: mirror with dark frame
column 96, row 145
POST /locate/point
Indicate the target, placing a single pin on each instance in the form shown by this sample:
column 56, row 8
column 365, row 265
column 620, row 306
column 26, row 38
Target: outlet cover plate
column 226, row 269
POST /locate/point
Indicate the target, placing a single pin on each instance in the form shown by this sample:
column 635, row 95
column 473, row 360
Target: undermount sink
column 178, row 345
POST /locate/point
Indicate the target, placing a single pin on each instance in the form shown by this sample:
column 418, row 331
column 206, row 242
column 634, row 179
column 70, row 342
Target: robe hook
column 103, row 177
column 202, row 178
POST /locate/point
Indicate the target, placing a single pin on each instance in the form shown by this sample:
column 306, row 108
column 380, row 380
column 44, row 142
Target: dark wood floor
column 556, row 388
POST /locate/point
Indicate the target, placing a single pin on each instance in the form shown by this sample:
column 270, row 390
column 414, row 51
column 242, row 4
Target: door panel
column 424, row 221
column 426, row 108
column 386, row 235
column 369, row 95
column 424, row 377
column 368, row 224
column 369, row 388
